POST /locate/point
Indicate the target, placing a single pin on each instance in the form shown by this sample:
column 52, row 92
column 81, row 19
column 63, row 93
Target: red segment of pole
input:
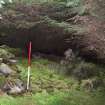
column 29, row 53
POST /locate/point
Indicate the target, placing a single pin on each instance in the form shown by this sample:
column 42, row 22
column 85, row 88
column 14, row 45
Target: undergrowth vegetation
column 41, row 72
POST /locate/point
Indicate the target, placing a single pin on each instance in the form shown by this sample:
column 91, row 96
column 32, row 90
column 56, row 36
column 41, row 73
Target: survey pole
column 29, row 64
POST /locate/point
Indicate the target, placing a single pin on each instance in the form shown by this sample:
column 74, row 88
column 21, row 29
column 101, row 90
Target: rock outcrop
column 56, row 28
column 9, row 75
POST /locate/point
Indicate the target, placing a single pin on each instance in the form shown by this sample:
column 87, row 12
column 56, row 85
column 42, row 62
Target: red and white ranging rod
column 29, row 64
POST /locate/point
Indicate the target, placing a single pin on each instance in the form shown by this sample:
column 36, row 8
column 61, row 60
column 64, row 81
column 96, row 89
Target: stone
column 5, row 70
column 12, row 61
column 14, row 88
column 69, row 55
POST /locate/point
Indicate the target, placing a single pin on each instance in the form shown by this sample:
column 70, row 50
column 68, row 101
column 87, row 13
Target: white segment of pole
column 28, row 77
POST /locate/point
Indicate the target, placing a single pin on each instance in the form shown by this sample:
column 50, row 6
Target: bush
column 84, row 70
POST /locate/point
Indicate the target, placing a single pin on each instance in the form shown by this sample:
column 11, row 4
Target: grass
column 72, row 98
column 40, row 69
